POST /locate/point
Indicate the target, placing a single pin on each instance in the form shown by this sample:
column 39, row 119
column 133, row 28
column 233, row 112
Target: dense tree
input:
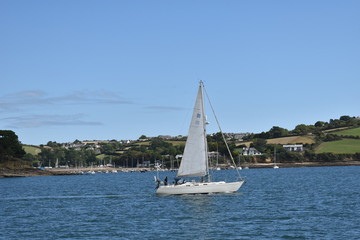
column 259, row 144
column 345, row 118
column 217, row 137
column 53, row 144
column 320, row 124
column 142, row 137
column 276, row 132
column 301, row 129
column 10, row 146
column 74, row 158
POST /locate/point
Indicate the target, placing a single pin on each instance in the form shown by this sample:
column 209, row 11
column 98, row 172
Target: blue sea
column 286, row 203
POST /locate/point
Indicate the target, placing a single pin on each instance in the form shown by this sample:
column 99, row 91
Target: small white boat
column 195, row 161
column 275, row 166
column 239, row 167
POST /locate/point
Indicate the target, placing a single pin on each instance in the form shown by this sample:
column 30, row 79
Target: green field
column 177, row 143
column 31, row 149
column 292, row 140
column 147, row 143
column 285, row 140
column 101, row 156
column 341, row 146
column 349, row 132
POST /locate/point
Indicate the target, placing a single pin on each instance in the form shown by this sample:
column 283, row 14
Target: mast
column 275, row 166
column 205, row 138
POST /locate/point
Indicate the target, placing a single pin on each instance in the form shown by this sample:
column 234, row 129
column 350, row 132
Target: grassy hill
column 101, row 156
column 340, row 146
column 247, row 144
column 285, row 140
column 292, row 140
column 146, row 143
column 31, row 149
column 349, row 132
column 176, row 143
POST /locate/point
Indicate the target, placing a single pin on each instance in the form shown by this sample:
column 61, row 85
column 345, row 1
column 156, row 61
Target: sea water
column 291, row 203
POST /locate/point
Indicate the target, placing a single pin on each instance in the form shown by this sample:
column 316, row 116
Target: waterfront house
column 250, row 151
column 294, row 147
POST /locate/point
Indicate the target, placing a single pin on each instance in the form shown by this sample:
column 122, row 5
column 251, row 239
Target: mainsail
column 195, row 157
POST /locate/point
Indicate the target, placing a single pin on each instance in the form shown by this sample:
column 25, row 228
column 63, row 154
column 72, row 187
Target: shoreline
column 32, row 172
column 305, row 164
column 29, row 172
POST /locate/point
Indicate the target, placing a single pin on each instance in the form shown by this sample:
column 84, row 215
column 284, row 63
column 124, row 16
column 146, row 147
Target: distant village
column 238, row 137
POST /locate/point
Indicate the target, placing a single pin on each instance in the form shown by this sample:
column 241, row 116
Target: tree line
column 316, row 129
column 158, row 149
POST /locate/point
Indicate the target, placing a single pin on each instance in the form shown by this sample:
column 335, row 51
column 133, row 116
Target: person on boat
column 165, row 180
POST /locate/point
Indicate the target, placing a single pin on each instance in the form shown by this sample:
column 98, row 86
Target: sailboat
column 275, row 166
column 217, row 159
column 195, row 162
column 239, row 167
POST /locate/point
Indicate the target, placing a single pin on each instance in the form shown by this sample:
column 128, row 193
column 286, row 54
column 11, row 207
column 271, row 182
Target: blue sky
column 119, row 69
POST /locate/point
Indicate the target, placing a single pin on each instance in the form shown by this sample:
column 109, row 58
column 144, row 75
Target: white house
column 294, row 147
column 250, row 151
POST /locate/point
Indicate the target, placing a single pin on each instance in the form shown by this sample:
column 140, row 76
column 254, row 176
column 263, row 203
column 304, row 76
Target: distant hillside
column 338, row 139
column 31, row 149
column 177, row 143
column 247, row 143
column 285, row 140
column 349, row 132
column 350, row 146
column 292, row 140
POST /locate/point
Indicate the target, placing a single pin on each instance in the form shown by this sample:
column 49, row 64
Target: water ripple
column 303, row 203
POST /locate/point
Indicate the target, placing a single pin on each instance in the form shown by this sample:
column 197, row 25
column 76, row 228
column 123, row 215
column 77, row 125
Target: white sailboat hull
column 200, row 188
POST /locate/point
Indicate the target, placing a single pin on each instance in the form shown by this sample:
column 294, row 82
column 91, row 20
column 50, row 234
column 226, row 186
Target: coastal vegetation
column 11, row 151
column 336, row 140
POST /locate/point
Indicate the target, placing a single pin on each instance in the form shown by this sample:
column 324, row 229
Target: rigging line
column 222, row 134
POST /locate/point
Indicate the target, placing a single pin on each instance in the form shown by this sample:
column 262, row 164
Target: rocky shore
column 29, row 172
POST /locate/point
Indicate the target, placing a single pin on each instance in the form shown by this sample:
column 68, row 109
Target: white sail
column 195, row 157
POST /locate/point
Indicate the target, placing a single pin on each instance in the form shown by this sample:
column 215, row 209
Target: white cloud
column 33, row 121
column 16, row 101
